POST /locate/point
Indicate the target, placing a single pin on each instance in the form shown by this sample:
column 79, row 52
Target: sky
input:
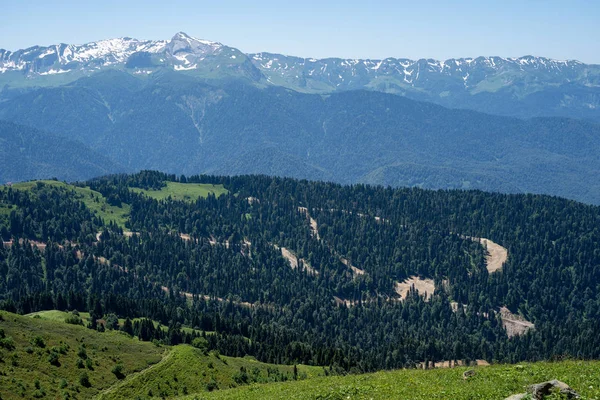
column 438, row 29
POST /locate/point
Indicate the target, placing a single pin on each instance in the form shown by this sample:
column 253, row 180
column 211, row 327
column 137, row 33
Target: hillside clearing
column 496, row 255
column 93, row 200
column 425, row 287
column 184, row 191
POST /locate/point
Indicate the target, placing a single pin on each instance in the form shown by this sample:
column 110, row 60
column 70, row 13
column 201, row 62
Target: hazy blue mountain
column 27, row 153
column 523, row 87
column 175, row 123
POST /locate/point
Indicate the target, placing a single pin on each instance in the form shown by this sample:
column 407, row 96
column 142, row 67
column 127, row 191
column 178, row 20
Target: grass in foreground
column 493, row 382
column 184, row 191
column 42, row 358
column 93, row 200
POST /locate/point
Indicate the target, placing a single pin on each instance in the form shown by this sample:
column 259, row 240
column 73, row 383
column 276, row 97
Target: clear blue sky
column 438, row 29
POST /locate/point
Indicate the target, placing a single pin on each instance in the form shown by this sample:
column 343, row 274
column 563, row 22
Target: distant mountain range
column 522, row 87
column 174, row 122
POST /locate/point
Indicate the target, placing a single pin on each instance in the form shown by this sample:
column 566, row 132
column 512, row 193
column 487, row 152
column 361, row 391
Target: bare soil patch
column 425, row 287
column 514, row 324
column 496, row 257
column 295, row 261
column 454, row 363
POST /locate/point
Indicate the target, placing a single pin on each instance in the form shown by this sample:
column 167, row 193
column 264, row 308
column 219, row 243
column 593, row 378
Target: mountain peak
column 184, row 37
column 181, row 35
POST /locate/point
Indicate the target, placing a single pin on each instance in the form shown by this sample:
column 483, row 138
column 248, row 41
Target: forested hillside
column 294, row 271
column 27, row 153
column 180, row 124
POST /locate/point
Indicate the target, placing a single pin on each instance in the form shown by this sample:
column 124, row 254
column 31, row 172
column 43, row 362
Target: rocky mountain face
column 522, row 87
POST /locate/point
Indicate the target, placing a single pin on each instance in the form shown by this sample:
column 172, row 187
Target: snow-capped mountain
column 525, row 86
column 467, row 72
column 184, row 53
column 181, row 53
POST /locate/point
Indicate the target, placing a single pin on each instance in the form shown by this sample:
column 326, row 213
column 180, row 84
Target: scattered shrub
column 74, row 319
column 53, row 358
column 38, row 341
column 201, row 344
column 82, row 353
column 84, row 380
column 212, row 385
column 7, row 343
column 118, row 371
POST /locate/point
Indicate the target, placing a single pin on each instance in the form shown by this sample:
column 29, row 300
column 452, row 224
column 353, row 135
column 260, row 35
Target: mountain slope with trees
column 179, row 124
column 27, row 153
column 216, row 264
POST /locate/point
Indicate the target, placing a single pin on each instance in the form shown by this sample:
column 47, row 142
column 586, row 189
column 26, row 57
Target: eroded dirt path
column 295, row 261
column 355, row 270
column 190, row 296
column 313, row 222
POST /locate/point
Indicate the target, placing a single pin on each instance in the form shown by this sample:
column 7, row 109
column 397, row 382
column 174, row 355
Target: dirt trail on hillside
column 132, row 376
column 313, row 222
column 190, row 296
column 295, row 261
column 355, row 270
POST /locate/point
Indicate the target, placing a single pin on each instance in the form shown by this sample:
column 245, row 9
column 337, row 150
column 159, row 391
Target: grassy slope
column 99, row 207
column 27, row 363
column 188, row 370
column 174, row 370
column 494, row 382
column 184, row 191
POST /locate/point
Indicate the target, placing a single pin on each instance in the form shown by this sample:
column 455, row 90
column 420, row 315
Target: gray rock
column 468, row 374
column 540, row 390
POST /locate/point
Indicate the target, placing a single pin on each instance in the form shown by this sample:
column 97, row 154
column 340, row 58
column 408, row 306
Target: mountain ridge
column 122, row 47
column 524, row 87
